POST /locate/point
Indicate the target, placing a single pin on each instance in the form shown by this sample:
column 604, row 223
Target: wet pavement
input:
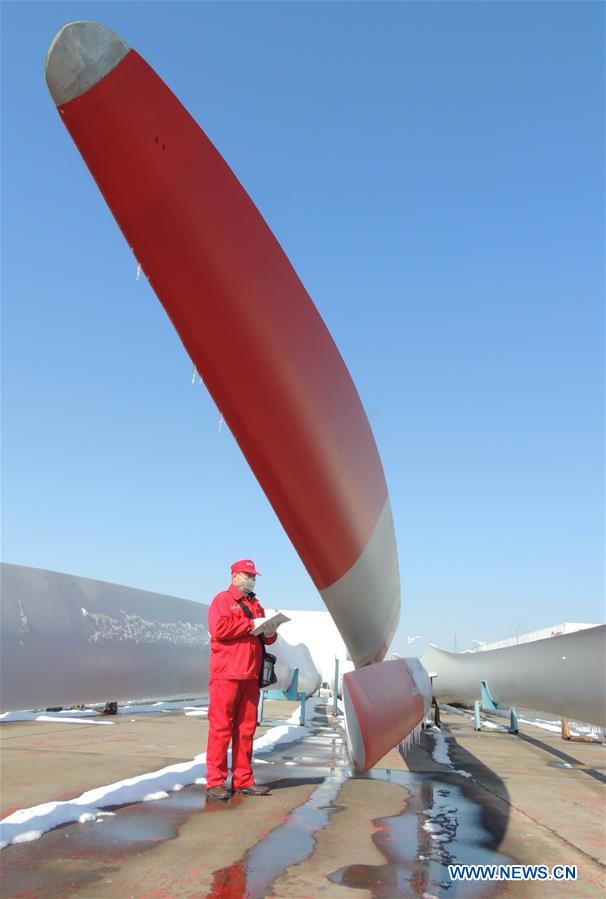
column 327, row 832
column 440, row 825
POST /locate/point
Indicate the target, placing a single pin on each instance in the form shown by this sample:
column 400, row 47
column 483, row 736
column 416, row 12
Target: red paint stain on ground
column 229, row 883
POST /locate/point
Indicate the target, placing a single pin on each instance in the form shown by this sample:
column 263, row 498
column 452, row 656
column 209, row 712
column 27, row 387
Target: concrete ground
column 324, row 832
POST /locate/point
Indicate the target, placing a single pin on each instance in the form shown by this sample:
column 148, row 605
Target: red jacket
column 234, row 653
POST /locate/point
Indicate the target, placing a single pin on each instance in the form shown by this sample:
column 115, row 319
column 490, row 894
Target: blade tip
column 80, row 55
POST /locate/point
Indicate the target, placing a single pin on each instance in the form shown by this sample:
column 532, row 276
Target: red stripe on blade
column 221, row 275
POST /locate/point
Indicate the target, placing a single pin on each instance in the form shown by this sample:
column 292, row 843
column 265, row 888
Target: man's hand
column 268, row 627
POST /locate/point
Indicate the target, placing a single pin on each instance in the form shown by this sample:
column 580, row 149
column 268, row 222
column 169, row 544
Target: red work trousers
column 232, row 715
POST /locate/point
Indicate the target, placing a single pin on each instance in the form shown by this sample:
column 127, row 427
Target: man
column 236, row 657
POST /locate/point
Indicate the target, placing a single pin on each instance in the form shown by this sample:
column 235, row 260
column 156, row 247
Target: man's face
column 243, row 581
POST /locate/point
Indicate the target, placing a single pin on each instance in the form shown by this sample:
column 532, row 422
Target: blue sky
column 435, row 173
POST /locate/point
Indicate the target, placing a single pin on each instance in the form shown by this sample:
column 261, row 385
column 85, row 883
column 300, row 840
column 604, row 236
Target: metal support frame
column 291, row 693
column 572, row 738
column 486, row 703
column 436, row 712
column 335, row 691
column 434, row 705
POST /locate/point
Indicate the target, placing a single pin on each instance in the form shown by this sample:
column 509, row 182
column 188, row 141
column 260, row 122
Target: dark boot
column 254, row 790
column 218, row 793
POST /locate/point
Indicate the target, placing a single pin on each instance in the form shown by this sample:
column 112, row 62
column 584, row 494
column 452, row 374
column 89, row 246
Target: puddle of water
column 440, row 825
column 321, row 749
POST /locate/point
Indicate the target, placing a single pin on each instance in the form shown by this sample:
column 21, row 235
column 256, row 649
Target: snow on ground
column 77, row 715
column 70, row 720
column 441, row 822
column 29, row 824
column 440, row 751
column 553, row 725
column 175, row 705
column 492, row 726
column 71, row 717
column 466, row 713
column 133, row 708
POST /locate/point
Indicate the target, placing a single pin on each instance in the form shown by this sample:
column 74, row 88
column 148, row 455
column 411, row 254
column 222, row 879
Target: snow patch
column 27, row 836
column 126, row 709
column 492, row 726
column 553, row 727
column 441, row 753
column 130, row 628
column 87, row 818
column 441, row 822
column 56, row 719
column 68, row 716
column 24, row 626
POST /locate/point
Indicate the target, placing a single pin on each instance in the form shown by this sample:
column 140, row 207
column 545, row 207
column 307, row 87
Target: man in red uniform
column 236, row 657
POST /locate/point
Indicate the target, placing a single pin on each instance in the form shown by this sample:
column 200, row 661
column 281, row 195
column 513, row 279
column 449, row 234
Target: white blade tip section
column 384, row 703
column 80, row 55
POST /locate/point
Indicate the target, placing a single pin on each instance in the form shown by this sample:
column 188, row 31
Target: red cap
column 246, row 566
